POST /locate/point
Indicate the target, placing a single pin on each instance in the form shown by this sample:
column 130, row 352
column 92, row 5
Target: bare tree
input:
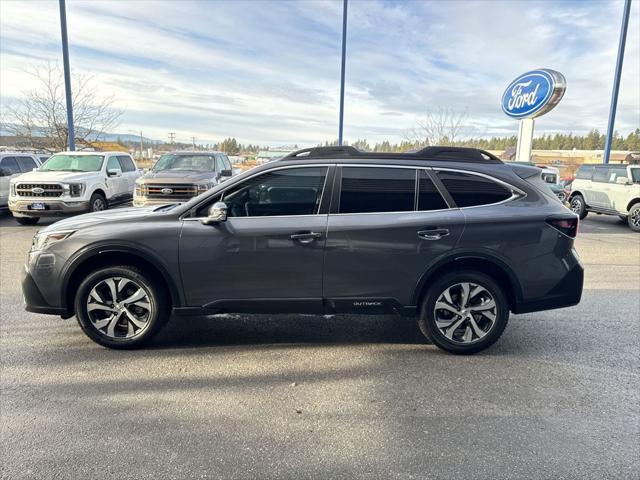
column 441, row 126
column 41, row 117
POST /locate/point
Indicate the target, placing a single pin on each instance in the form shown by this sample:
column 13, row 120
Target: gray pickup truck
column 178, row 176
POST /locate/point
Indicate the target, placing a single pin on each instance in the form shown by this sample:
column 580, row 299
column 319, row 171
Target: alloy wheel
column 119, row 307
column 576, row 205
column 635, row 218
column 98, row 205
column 465, row 312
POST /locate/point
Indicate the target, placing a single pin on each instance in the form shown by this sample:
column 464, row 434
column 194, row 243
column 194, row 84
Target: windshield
column 73, row 163
column 198, row 163
column 635, row 175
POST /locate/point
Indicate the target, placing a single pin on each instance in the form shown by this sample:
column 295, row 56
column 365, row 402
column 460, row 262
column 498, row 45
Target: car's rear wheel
column 464, row 312
column 97, row 203
column 121, row 307
column 27, row 220
column 578, row 206
column 634, row 218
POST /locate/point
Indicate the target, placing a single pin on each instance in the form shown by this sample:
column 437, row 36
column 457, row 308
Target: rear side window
column 469, row 190
column 126, row 164
column 585, row 172
column 371, row 189
column 601, row 175
column 428, row 196
column 9, row 166
column 26, row 163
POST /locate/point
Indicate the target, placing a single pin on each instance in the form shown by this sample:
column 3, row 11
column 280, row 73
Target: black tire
column 578, row 206
column 97, row 203
column 155, row 316
column 633, row 219
column 27, row 220
column 427, row 320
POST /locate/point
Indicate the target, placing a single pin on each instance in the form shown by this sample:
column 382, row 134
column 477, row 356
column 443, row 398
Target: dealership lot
column 315, row 397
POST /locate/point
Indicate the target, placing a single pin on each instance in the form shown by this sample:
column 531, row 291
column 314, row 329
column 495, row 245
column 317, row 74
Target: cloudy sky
column 268, row 72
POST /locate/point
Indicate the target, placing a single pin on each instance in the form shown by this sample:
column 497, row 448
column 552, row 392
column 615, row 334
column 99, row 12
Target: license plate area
column 37, row 206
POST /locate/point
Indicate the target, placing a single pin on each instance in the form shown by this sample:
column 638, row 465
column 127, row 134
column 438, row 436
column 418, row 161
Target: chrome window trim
column 288, row 167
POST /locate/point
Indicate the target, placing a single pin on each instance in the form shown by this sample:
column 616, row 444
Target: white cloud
column 268, row 72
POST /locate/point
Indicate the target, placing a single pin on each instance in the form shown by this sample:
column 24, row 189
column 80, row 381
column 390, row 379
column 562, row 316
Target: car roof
column 196, row 152
column 113, row 152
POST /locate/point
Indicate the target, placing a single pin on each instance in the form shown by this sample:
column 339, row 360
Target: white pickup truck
column 73, row 182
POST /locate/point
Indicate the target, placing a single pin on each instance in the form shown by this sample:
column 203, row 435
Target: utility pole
column 141, row 146
column 67, row 76
column 193, row 140
column 616, row 80
column 172, row 138
column 344, row 55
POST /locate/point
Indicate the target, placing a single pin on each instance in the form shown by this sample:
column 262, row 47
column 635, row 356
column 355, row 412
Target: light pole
column 67, row 76
column 616, row 80
column 344, row 54
column 141, row 146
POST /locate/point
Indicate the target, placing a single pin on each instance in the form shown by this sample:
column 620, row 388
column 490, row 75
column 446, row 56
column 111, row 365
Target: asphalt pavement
column 297, row 397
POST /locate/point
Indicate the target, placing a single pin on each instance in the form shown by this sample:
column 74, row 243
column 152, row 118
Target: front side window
column 373, row 189
column 293, row 191
column 220, row 164
column 617, row 172
column 193, row 163
column 9, row 166
column 635, row 175
column 469, row 190
column 26, row 163
column 73, row 163
column 429, row 197
column 113, row 164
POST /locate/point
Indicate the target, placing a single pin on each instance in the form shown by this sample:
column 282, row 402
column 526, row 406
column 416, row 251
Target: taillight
column 568, row 226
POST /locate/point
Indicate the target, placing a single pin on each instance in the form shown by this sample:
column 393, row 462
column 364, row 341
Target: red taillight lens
column 568, row 226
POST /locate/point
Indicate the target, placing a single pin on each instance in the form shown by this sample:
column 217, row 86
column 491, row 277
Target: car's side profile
column 452, row 236
column 73, row 182
column 13, row 164
column 608, row 189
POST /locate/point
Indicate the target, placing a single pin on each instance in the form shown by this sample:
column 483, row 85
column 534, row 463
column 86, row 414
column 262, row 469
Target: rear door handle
column 435, row 234
column 305, row 237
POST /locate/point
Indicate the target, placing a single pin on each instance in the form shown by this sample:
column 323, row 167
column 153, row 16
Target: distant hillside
column 6, row 131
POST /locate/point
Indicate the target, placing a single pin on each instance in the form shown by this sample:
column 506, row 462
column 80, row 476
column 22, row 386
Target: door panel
column 383, row 255
column 253, row 259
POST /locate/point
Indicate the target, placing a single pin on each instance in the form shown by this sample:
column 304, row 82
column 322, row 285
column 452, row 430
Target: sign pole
column 67, row 77
column 525, row 140
column 344, row 54
column 616, row 80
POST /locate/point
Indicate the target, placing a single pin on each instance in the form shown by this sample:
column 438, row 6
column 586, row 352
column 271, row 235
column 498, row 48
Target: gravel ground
column 298, row 397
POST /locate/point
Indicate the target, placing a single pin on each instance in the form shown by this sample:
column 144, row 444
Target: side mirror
column 623, row 181
column 114, row 172
column 217, row 213
column 226, row 173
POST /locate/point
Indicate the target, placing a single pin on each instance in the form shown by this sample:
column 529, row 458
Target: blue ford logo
column 167, row 191
column 533, row 93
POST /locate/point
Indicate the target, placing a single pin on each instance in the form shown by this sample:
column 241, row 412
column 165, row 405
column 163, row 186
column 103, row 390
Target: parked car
column 179, row 176
column 608, row 189
column 73, row 182
column 13, row 164
column 450, row 235
column 550, row 176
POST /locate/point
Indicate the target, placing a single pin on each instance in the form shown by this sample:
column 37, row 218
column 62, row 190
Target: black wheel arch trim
column 90, row 251
column 453, row 257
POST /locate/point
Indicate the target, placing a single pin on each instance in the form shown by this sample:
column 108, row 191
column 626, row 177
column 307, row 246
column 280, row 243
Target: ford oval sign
column 167, row 191
column 533, row 93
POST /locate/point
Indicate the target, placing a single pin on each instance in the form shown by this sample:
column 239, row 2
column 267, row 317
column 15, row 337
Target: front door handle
column 305, row 237
column 435, row 234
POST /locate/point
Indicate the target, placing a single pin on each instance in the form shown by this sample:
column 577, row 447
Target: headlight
column 203, row 187
column 43, row 240
column 13, row 189
column 73, row 189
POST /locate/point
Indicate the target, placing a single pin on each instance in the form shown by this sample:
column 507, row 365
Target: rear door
column 129, row 173
column 387, row 226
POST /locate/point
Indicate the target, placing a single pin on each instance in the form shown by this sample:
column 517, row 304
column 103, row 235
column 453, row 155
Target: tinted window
column 428, row 196
column 585, row 172
column 601, row 175
column 617, row 172
column 26, row 163
column 635, row 175
column 126, row 164
column 9, row 166
column 113, row 164
column 469, row 190
column 294, row 191
column 220, row 164
column 370, row 189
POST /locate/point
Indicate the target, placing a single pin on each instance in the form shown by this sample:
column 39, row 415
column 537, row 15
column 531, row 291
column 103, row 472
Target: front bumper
column 23, row 208
column 35, row 301
column 140, row 201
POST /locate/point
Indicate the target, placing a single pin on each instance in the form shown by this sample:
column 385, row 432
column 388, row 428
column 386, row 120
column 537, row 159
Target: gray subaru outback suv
column 451, row 236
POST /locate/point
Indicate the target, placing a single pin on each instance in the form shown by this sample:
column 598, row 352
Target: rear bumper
column 22, row 208
column 566, row 293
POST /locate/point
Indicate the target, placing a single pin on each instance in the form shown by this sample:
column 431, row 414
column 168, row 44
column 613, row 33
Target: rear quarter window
column 469, row 190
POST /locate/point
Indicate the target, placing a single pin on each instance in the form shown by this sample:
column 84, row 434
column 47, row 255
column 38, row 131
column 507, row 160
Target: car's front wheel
column 27, row 220
column 634, row 218
column 464, row 312
column 97, row 203
column 578, row 206
column 121, row 307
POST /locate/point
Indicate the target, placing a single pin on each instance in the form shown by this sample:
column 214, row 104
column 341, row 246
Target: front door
column 383, row 236
column 269, row 251
column 116, row 184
